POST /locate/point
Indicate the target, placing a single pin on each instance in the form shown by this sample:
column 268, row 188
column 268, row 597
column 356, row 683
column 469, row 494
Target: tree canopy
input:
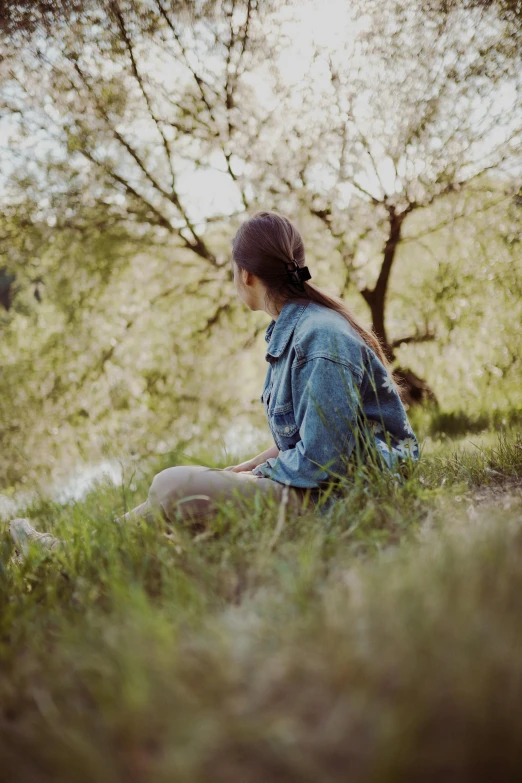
column 400, row 131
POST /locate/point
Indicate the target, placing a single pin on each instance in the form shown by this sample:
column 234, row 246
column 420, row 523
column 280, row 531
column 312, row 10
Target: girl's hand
column 244, row 467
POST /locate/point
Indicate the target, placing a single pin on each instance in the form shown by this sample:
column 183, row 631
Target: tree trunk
column 416, row 390
column 376, row 298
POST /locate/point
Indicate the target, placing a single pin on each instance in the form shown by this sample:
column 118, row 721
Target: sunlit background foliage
column 138, row 134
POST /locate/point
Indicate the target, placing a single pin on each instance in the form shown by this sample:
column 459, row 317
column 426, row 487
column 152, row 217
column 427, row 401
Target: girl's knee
column 162, row 486
column 178, row 491
column 171, row 483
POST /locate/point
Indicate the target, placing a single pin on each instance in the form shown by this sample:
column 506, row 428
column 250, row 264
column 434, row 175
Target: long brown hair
column 269, row 238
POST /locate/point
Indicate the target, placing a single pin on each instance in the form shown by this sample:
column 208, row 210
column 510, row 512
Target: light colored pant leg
column 194, row 491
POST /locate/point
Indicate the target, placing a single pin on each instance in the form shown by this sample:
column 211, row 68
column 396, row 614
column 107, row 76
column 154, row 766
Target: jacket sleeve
column 326, row 399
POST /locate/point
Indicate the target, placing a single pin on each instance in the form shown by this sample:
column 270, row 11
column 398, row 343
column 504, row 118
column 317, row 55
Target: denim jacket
column 327, row 394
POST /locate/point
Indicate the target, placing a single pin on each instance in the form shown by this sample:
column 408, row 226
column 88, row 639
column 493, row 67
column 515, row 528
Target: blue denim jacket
column 326, row 394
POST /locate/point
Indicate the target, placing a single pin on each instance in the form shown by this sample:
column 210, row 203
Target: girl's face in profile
column 251, row 293
column 238, row 283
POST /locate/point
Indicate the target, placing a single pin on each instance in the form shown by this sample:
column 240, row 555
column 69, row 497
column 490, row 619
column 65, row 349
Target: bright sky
column 205, row 192
column 324, row 23
column 311, row 24
column 329, row 25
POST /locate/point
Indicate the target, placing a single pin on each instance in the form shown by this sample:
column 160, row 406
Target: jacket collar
column 278, row 332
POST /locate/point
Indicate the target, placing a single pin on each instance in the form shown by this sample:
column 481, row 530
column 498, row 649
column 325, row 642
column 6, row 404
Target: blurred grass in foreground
column 380, row 643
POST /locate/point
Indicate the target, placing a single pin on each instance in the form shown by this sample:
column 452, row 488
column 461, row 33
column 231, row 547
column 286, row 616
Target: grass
column 381, row 642
column 434, row 421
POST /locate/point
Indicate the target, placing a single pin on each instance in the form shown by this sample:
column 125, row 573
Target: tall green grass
column 381, row 642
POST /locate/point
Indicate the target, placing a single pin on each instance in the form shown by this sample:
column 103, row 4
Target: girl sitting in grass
column 329, row 396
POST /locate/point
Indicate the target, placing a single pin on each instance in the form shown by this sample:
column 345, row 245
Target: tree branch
column 414, row 338
column 198, row 246
column 130, row 49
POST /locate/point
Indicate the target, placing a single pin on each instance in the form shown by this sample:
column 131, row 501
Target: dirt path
column 503, row 495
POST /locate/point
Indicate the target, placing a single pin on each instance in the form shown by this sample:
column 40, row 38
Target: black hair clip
column 298, row 274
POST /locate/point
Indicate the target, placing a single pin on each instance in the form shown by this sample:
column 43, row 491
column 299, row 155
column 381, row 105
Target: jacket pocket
column 283, row 423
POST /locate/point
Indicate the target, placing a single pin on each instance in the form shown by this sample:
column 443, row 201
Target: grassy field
column 382, row 642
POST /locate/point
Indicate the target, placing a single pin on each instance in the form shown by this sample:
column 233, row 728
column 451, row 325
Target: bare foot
column 22, row 533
